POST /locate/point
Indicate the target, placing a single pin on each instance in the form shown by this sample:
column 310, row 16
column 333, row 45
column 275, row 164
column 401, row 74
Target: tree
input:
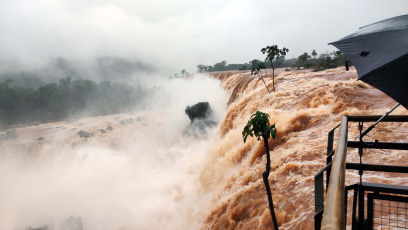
column 254, row 63
column 314, row 54
column 65, row 83
column 257, row 71
column 339, row 58
column 302, row 58
column 275, row 56
column 220, row 66
column 183, row 72
column 202, row 68
column 243, row 67
column 259, row 126
column 68, row 98
column 7, row 82
column 330, row 60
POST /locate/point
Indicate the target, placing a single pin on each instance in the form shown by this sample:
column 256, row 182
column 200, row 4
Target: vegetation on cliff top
column 65, row 99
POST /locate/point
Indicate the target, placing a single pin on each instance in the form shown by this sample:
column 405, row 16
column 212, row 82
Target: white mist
column 138, row 176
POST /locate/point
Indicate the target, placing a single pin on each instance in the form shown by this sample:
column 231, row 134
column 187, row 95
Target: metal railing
column 319, row 180
column 332, row 215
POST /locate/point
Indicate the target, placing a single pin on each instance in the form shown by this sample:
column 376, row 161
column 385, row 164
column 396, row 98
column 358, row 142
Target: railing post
column 319, row 199
column 335, row 209
column 370, row 211
column 333, row 216
column 361, row 203
column 330, row 152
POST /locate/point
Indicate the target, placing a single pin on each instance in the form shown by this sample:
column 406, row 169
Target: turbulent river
column 140, row 171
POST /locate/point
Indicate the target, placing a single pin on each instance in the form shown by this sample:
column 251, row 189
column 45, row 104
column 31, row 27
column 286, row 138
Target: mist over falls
column 130, row 171
column 104, row 68
column 68, row 89
column 143, row 173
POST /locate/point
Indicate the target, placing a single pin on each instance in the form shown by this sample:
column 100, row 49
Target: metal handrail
column 335, row 208
column 334, row 215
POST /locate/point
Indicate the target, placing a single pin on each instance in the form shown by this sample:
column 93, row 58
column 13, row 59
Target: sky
column 178, row 34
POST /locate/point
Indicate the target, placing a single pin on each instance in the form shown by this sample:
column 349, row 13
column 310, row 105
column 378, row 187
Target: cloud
column 178, row 34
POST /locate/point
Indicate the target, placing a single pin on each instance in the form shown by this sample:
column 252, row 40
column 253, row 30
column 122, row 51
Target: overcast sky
column 179, row 34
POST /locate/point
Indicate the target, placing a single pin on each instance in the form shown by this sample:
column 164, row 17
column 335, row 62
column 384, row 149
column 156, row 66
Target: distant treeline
column 67, row 98
column 324, row 61
column 223, row 66
column 103, row 68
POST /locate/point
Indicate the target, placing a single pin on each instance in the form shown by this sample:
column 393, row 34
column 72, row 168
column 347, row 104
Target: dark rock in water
column 40, row 138
column 126, row 121
column 201, row 110
column 84, row 134
column 40, row 228
column 109, row 128
column 102, row 131
column 200, row 116
column 11, row 134
column 72, row 223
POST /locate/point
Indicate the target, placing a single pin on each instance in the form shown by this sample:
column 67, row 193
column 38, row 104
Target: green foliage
column 302, row 58
column 257, row 69
column 202, row 68
column 314, row 54
column 275, row 55
column 258, row 125
column 254, row 63
column 330, row 60
column 325, row 60
column 221, row 66
column 244, row 67
column 67, row 98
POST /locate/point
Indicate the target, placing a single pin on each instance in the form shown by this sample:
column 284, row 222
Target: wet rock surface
column 201, row 110
column 200, row 116
column 72, row 223
column 84, row 134
column 126, row 121
column 11, row 134
column 102, row 131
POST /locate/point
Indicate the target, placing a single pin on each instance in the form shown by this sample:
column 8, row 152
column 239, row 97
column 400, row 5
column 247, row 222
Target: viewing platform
column 374, row 205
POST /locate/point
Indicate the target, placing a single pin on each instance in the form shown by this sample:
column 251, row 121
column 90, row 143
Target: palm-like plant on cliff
column 276, row 57
column 258, row 125
column 256, row 70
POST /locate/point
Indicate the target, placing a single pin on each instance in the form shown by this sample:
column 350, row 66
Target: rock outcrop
column 201, row 116
column 201, row 110
column 84, row 134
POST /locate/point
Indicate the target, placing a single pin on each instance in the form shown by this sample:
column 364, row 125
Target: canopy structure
column 379, row 52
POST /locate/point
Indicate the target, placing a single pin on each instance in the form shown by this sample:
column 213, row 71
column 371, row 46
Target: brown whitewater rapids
column 145, row 174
